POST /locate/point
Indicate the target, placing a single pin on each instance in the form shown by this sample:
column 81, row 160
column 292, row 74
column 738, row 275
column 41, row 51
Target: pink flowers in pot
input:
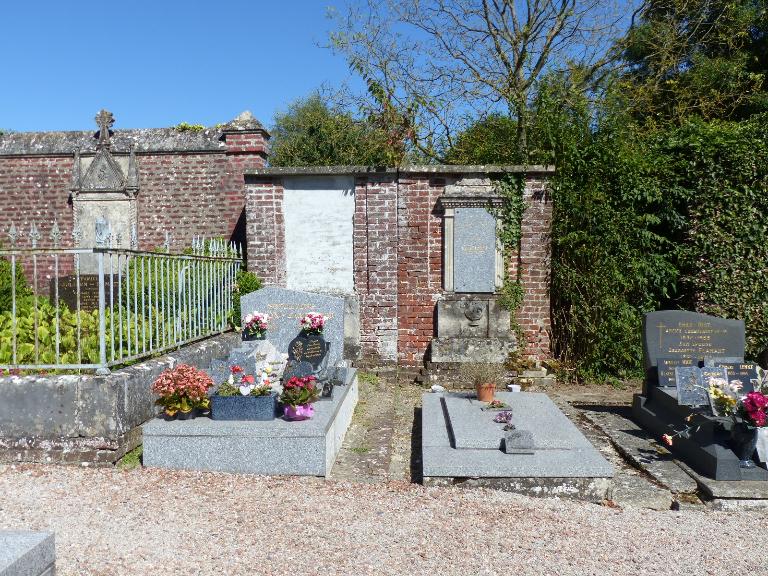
column 255, row 324
column 182, row 389
column 313, row 323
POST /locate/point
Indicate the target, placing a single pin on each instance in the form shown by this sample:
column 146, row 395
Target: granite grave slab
column 474, row 250
column 287, row 307
column 27, row 553
column 558, row 466
column 272, row 447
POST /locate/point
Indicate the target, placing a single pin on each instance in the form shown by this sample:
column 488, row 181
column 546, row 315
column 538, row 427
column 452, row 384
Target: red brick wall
column 398, row 259
column 533, row 261
column 420, row 264
column 185, row 193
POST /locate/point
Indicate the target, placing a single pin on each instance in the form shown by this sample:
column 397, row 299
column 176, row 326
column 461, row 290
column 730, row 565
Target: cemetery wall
column 398, row 252
column 190, row 183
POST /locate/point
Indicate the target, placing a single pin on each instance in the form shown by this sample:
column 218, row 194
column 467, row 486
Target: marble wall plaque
column 474, row 250
column 287, row 307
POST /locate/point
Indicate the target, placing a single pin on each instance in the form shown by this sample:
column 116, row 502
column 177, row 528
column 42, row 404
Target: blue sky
column 156, row 64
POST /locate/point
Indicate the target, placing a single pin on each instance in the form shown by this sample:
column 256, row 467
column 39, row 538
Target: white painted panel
column 319, row 212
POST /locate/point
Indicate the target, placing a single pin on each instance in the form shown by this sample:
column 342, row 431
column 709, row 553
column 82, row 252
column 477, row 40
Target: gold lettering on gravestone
column 314, row 350
column 474, row 248
column 689, row 338
column 298, row 350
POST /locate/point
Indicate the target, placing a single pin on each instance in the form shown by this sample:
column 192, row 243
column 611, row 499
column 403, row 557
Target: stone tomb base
column 27, row 554
column 462, row 445
column 275, row 447
column 706, row 451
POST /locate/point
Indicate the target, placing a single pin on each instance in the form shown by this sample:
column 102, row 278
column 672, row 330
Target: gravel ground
column 110, row 521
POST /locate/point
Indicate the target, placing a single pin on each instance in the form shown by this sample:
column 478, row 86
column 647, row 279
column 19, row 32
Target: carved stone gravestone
column 287, row 307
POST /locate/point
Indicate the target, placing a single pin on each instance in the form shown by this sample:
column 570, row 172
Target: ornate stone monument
column 471, row 326
column 104, row 189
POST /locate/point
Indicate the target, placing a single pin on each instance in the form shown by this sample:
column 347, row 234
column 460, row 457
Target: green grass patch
column 132, row 459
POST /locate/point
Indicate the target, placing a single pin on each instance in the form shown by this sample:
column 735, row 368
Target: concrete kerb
column 88, row 418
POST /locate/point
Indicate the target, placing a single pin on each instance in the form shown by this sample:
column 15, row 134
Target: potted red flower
column 244, row 397
column 299, row 393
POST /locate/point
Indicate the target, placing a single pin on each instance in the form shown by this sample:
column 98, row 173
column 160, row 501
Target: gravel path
column 109, row 521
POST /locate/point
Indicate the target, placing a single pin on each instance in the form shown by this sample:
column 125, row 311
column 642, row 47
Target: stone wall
column 398, row 251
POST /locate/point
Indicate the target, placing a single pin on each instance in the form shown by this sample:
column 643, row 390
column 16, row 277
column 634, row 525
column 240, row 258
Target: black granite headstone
column 689, row 336
column 690, row 386
column 312, row 348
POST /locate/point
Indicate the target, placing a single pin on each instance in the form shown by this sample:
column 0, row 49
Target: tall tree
column 440, row 62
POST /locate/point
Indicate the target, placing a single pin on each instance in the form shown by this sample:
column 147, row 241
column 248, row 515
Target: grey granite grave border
column 27, row 553
column 276, row 447
column 579, row 473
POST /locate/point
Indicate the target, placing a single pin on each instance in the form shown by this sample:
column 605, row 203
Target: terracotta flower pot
column 486, row 391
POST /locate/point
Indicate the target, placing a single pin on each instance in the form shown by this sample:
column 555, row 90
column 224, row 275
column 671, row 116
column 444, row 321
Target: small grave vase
column 743, row 444
column 251, row 337
column 300, row 412
column 181, row 415
column 485, row 391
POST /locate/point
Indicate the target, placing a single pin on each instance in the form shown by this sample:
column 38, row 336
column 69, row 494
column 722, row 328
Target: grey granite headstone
column 690, row 386
column 518, row 442
column 287, row 307
column 474, row 250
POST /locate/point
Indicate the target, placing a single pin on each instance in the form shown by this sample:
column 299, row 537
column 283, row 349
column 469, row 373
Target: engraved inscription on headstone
column 89, row 291
column 690, row 386
column 710, row 372
column 666, row 367
column 742, row 371
column 674, row 333
column 474, row 250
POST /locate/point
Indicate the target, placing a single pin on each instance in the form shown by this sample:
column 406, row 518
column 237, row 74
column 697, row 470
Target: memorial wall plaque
column 690, row 386
column 742, row 371
column 89, row 291
column 666, row 368
column 689, row 335
column 287, row 307
column 474, row 250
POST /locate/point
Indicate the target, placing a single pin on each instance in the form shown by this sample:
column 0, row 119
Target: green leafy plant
column 185, row 127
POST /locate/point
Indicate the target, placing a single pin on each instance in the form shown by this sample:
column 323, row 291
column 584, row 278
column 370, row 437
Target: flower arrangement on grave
column 742, row 415
column 485, row 376
column 255, row 324
column 182, row 390
column 240, row 384
column 298, row 395
column 312, row 323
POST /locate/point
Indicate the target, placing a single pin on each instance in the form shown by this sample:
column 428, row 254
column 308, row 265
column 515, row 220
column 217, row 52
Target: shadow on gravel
column 416, row 469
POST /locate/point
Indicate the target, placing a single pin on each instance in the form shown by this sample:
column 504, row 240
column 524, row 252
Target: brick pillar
column 375, row 264
column 534, row 264
column 265, row 229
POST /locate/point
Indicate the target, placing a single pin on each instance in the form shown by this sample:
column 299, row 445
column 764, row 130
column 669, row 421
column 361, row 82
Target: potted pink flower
column 299, row 393
column 182, row 391
column 255, row 326
column 313, row 323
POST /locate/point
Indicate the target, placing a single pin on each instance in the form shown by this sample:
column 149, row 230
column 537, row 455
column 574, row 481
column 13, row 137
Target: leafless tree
column 445, row 61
